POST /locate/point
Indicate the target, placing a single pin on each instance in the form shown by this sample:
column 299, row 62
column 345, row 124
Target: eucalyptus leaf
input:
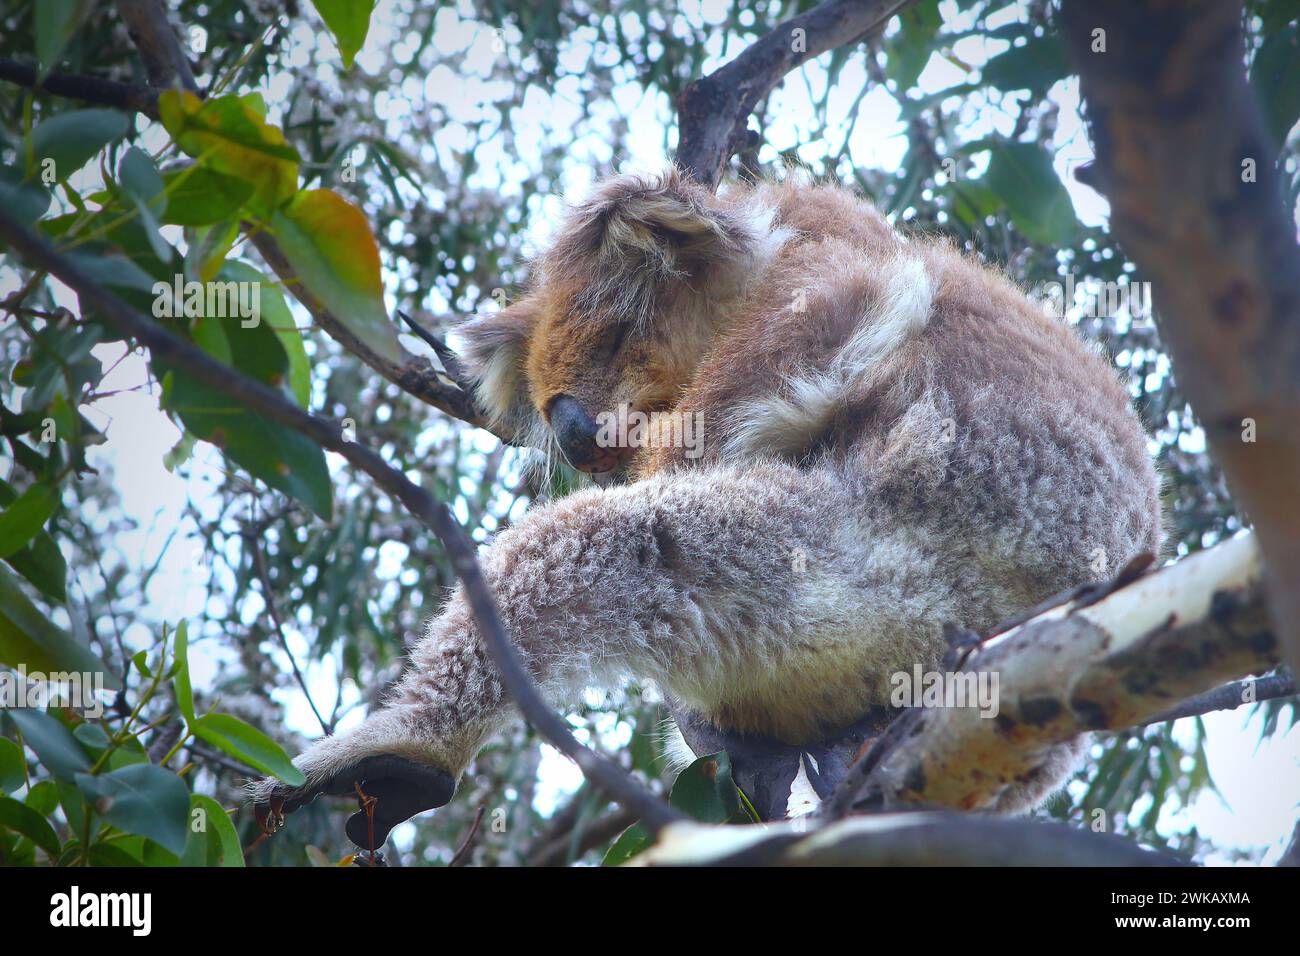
column 144, row 799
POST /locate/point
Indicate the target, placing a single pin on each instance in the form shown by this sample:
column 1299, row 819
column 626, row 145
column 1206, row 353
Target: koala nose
column 576, row 432
column 574, row 429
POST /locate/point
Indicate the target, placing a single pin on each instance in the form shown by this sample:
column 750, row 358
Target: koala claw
column 389, row 790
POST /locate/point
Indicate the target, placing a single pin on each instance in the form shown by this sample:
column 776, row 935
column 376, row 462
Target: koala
column 888, row 436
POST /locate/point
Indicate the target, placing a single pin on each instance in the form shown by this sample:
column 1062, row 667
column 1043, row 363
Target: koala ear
column 638, row 237
column 493, row 353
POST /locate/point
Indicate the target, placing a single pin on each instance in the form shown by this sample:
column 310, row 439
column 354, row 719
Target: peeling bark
column 1071, row 670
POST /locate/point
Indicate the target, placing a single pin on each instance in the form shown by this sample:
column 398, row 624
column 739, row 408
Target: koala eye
column 616, row 340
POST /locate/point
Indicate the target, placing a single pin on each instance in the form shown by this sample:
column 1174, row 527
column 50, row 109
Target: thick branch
column 713, row 112
column 259, row 398
column 160, row 49
column 898, row 839
column 89, row 89
column 1110, row 665
column 1187, row 163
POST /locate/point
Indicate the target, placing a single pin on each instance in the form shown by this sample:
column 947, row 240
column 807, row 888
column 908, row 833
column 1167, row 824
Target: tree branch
column 164, row 58
column 898, row 839
column 1108, row 665
column 1231, row 696
column 713, row 111
column 565, row 846
column 260, row 398
column 89, row 89
column 1187, row 163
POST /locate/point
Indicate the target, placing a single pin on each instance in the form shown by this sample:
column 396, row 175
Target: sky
column 1258, row 783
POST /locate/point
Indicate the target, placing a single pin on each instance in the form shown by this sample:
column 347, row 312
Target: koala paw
column 389, row 790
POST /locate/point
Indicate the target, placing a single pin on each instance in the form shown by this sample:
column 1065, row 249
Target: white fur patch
column 768, row 239
column 497, row 386
column 788, row 423
column 803, row 797
column 900, row 317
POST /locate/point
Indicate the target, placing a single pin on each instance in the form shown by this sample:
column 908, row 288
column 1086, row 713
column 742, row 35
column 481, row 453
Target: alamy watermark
column 1101, row 300
column 921, row 688
column 215, row 300
column 630, row 428
column 80, row 690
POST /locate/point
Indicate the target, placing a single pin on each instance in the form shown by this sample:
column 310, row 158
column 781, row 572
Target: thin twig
column 259, row 562
column 1231, row 696
column 462, row 854
column 450, row 362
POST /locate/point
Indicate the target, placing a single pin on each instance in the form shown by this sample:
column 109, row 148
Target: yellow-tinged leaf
column 230, row 136
column 344, row 237
column 328, row 242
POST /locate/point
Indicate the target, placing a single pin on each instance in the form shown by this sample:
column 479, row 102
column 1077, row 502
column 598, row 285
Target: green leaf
column 1275, row 75
column 92, row 737
column 128, row 752
column 139, row 178
column 13, row 766
column 332, row 251
column 1034, row 67
column 43, row 797
column 280, row 456
column 55, row 23
column 22, row 520
column 72, row 138
column 29, row 637
column 276, row 317
column 349, row 21
column 181, row 679
column 23, row 819
column 218, row 844
column 208, row 247
column 632, row 841
column 909, row 51
column 27, row 201
column 705, row 791
column 111, row 269
column 143, row 799
column 1022, row 176
column 112, row 854
column 248, row 744
column 203, row 197
column 53, row 744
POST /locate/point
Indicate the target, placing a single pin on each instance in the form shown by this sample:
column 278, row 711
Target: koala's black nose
column 574, row 430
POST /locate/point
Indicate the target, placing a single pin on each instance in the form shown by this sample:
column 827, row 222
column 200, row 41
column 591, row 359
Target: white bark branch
column 897, row 839
column 1117, row 663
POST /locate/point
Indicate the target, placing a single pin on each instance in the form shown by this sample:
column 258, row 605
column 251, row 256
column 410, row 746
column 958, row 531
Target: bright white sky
column 1259, row 785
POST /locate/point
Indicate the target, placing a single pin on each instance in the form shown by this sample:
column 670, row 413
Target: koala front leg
column 719, row 583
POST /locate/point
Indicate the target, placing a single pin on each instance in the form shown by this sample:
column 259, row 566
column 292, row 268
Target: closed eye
column 616, row 343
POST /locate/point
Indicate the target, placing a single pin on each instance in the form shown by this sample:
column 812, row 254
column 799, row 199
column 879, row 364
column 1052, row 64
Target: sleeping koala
column 886, row 436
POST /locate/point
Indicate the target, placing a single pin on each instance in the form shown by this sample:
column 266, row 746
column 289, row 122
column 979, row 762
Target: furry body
column 894, row 437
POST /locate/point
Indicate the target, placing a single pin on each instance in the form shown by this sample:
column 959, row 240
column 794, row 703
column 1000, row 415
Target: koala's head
column 624, row 304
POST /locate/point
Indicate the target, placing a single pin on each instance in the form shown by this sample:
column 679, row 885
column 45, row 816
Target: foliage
column 417, row 177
